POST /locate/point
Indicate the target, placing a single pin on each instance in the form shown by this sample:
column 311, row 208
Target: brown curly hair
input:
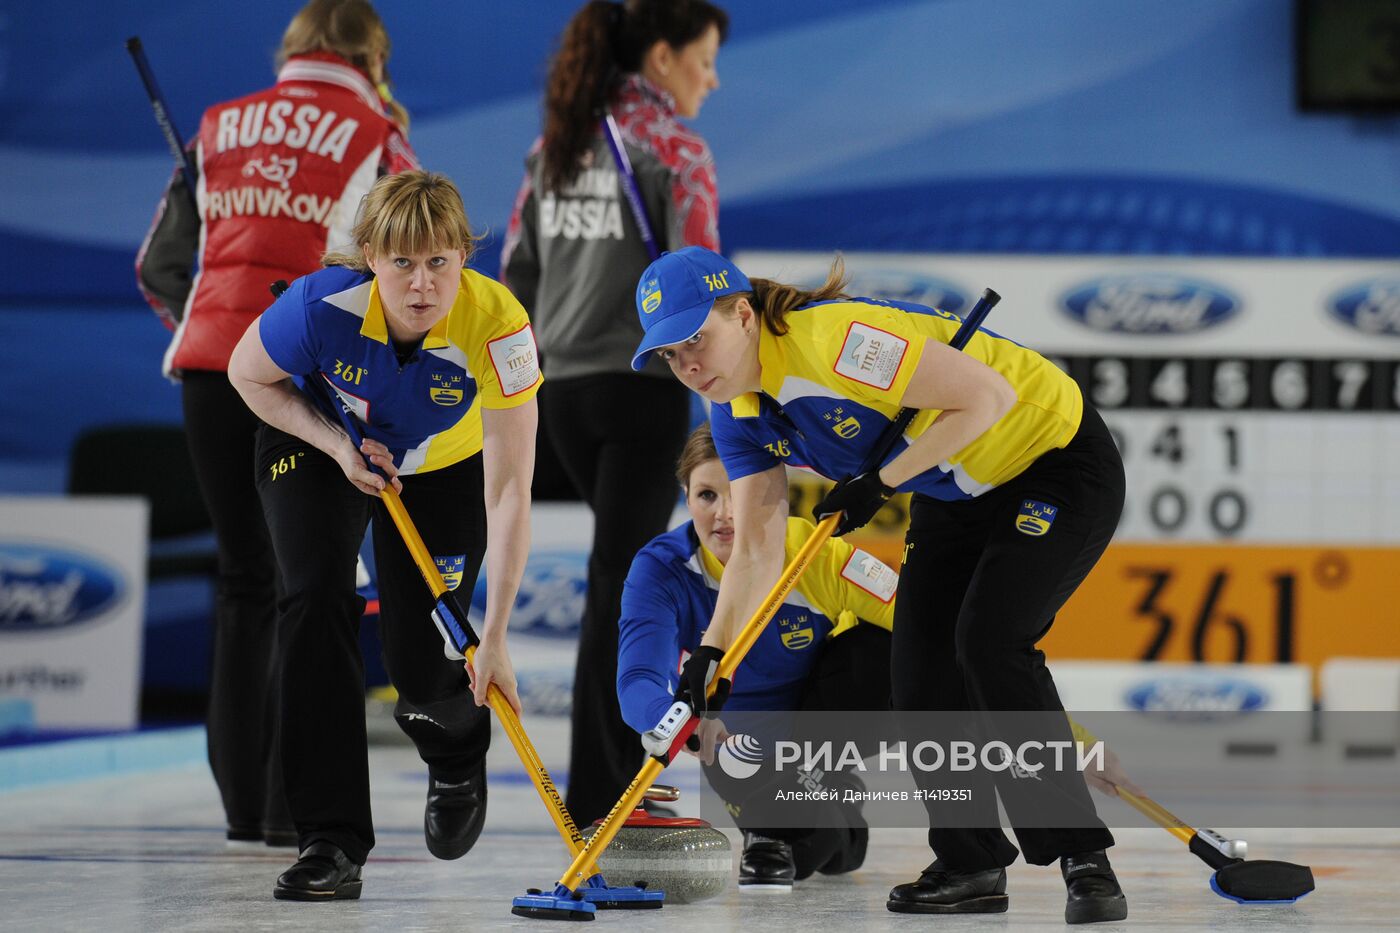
column 604, row 41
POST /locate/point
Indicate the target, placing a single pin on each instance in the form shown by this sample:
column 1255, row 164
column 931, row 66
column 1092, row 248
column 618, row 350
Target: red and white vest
column 281, row 176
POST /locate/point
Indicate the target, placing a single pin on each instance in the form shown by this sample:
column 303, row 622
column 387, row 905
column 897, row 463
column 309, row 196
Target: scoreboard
column 1257, row 407
column 1280, row 449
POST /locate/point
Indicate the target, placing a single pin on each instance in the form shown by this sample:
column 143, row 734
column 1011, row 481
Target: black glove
column 859, row 497
column 695, row 676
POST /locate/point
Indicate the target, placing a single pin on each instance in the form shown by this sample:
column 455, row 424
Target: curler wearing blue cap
column 814, row 379
column 677, row 292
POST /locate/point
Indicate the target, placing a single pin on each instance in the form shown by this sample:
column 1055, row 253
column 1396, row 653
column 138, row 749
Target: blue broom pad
column 561, row 904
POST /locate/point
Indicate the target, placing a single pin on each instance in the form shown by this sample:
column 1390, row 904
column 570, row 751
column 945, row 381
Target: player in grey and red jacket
column 572, row 256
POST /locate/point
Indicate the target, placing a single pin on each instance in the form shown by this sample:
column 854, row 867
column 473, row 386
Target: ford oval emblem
column 915, row 287
column 1149, row 304
column 550, row 600
column 1197, row 697
column 43, row 588
column 1372, row 306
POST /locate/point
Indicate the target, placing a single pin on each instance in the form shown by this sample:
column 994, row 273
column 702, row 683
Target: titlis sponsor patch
column 871, row 574
column 1372, row 306
column 1149, row 304
column 44, row 588
column 515, row 360
column 870, row 355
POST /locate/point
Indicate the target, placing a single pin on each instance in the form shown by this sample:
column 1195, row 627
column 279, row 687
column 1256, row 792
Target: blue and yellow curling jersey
column 670, row 595
column 427, row 411
column 836, row 379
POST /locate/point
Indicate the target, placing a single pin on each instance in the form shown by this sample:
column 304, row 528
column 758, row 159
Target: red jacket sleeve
column 520, row 261
column 697, row 198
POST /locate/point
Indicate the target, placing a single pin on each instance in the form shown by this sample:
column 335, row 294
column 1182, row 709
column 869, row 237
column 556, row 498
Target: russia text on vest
column 321, row 133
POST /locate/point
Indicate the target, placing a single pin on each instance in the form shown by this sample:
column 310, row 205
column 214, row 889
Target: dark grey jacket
column 573, row 257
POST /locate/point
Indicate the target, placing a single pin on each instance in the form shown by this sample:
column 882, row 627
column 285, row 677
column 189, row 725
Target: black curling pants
column 618, row 438
column 975, row 596
column 242, row 717
column 851, row 674
column 317, row 520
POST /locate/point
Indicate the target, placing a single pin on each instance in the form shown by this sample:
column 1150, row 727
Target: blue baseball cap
column 676, row 293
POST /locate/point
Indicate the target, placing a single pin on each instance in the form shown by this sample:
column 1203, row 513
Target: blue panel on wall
column 1020, row 126
column 54, row 268
column 1066, row 214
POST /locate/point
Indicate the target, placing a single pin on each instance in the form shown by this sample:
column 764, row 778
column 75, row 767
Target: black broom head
column 1263, row 882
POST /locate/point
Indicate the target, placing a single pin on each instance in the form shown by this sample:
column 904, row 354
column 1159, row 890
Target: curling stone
column 687, row 858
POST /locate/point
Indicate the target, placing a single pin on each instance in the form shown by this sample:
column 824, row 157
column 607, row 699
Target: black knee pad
column 452, row 716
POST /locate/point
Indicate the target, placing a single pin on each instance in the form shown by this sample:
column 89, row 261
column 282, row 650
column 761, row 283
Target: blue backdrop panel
column 819, row 101
column 1067, row 214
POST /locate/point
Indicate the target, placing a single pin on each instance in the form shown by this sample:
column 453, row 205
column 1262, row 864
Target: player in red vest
column 280, row 175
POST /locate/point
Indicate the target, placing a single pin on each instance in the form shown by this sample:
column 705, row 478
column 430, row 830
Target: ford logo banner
column 45, row 588
column 551, row 596
column 1197, row 698
column 894, row 285
column 1372, row 307
column 1149, row 304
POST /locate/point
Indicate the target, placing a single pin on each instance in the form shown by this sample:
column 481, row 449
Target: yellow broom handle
column 584, row 864
column 734, row 654
column 1159, row 815
column 413, row 540
column 539, row 776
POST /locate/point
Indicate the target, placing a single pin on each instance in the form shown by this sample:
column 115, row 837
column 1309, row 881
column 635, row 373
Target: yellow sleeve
column 866, row 352
column 501, row 345
column 843, row 582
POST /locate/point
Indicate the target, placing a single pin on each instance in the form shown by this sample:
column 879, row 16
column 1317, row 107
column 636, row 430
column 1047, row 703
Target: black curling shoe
column 767, row 864
column 455, row 813
column 323, row 873
column 1092, row 891
column 941, row 890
